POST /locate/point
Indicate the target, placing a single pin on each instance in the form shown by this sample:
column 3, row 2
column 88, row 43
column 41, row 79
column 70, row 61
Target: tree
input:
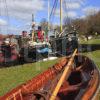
column 88, row 26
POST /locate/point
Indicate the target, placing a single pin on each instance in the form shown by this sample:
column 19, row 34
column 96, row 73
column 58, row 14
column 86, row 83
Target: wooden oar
column 65, row 74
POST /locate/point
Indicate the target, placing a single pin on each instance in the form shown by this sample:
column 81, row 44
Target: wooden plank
column 65, row 74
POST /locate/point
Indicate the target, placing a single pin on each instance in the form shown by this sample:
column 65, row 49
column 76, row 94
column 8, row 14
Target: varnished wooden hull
column 82, row 84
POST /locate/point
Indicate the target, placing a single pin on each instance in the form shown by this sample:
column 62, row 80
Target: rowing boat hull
column 82, row 84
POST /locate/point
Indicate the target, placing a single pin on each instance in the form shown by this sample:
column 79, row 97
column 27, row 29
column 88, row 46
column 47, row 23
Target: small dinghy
column 72, row 78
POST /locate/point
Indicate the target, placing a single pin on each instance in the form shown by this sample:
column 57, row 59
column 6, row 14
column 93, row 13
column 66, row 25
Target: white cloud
column 81, row 2
column 3, row 22
column 82, row 17
column 21, row 9
column 91, row 10
column 72, row 14
column 73, row 5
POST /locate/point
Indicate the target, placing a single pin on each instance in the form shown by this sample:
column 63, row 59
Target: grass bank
column 14, row 76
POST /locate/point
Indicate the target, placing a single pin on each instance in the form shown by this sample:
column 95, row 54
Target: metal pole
column 48, row 13
column 65, row 74
column 61, row 16
column 33, row 28
column 48, row 20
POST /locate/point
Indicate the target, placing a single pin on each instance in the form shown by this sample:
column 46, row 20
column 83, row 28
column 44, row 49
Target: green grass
column 95, row 56
column 14, row 76
column 92, row 41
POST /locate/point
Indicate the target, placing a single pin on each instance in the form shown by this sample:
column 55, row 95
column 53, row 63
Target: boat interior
column 82, row 77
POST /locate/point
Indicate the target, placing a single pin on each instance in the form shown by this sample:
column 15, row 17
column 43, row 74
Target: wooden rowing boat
column 81, row 83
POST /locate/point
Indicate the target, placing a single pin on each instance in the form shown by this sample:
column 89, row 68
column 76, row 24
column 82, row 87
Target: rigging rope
column 66, row 8
column 53, row 10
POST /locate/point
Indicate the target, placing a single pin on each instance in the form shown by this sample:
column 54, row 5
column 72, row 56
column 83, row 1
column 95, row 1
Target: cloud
column 21, row 9
column 3, row 22
column 82, row 17
column 73, row 5
column 81, row 2
column 70, row 8
column 71, row 14
column 91, row 10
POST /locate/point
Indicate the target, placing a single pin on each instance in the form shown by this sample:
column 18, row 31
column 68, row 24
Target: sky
column 16, row 15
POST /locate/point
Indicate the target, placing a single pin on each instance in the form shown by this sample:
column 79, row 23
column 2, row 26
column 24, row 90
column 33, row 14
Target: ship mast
column 61, row 27
column 33, row 24
column 48, row 13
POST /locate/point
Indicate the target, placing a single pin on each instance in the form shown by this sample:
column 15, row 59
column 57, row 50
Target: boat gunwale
column 94, row 66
